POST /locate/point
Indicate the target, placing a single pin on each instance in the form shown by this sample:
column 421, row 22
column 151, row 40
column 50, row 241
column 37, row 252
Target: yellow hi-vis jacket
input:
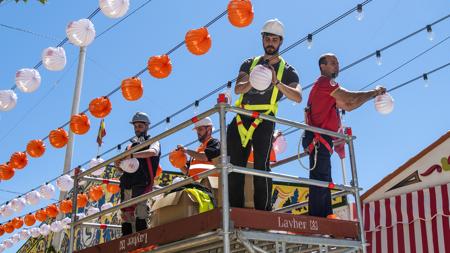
column 246, row 134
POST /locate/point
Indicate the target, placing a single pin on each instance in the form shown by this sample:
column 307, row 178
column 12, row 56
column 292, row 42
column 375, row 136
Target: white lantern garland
column 33, row 197
column 35, row 232
column 28, row 80
column 64, row 183
column 47, row 191
column 44, row 230
column 130, row 165
column 106, row 206
column 80, row 33
column 94, row 162
column 54, row 58
column 18, row 204
column 24, row 234
column 384, row 104
column 114, row 8
column 260, row 77
column 8, row 100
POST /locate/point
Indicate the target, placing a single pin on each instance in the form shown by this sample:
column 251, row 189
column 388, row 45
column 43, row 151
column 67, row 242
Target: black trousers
column 262, row 144
column 319, row 203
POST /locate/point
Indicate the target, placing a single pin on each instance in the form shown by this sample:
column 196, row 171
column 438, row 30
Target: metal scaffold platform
column 250, row 231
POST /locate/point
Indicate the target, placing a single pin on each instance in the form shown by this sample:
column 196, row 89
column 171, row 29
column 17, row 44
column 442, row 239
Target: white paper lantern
column 384, row 104
column 54, row 58
column 260, row 77
column 280, row 144
column 35, row 232
column 64, row 183
column 81, row 215
column 47, row 191
column 33, row 197
column 80, row 33
column 2, row 247
column 28, row 80
column 18, row 204
column 114, row 8
column 8, row 243
column 24, row 234
column 106, row 206
column 94, row 162
column 8, row 100
column 92, row 210
column 56, row 226
column 44, row 229
column 176, row 180
column 66, row 221
column 130, row 165
column 7, row 210
column 15, row 238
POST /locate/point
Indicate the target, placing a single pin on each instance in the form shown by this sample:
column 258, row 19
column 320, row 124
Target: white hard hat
column 273, row 26
column 203, row 122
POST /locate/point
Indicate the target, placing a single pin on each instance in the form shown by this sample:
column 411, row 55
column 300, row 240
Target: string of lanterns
column 81, row 33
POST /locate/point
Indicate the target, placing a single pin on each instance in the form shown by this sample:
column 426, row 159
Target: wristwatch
column 277, row 82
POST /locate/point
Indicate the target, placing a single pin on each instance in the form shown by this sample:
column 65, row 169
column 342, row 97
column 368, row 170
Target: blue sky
column 384, row 142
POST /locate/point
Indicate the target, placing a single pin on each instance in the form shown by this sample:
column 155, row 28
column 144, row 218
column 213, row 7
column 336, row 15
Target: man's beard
column 140, row 134
column 273, row 52
column 202, row 138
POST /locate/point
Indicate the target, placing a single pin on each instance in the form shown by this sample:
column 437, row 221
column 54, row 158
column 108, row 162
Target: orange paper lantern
column 100, row 107
column 17, row 222
column 79, row 123
column 132, row 88
column 6, row 172
column 8, row 227
column 36, row 148
column 159, row 66
column 58, row 138
column 66, row 206
column 198, row 41
column 240, row 12
column 18, row 160
column 2, row 231
column 29, row 219
column 52, row 211
column 82, row 200
column 113, row 188
column 178, row 159
column 41, row 215
column 96, row 193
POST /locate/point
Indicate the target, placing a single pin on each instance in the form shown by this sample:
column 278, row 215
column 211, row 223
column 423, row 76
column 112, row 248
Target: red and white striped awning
column 412, row 222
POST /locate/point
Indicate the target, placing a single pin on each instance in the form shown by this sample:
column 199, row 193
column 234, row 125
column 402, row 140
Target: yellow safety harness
column 246, row 134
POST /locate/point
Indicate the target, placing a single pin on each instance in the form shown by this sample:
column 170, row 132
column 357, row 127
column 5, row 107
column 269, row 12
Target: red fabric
column 409, row 208
column 323, row 105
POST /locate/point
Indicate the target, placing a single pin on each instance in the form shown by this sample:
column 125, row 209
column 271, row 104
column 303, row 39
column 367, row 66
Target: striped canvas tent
column 409, row 210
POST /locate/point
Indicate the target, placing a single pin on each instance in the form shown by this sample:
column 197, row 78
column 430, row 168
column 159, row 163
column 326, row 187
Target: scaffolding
column 229, row 229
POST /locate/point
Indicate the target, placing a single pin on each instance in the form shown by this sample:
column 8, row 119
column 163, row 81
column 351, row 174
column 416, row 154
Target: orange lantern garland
column 100, row 107
column 66, row 206
column 41, row 215
column 36, row 148
column 2, row 231
column 82, row 200
column 240, row 12
column 178, row 159
column 132, row 88
column 52, row 211
column 113, row 188
column 18, row 160
column 79, row 123
column 8, row 227
column 17, row 222
column 159, row 66
column 58, row 138
column 96, row 193
column 6, row 172
column 29, row 219
column 198, row 41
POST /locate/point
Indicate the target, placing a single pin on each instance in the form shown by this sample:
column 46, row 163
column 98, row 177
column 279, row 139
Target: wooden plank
column 171, row 232
column 298, row 224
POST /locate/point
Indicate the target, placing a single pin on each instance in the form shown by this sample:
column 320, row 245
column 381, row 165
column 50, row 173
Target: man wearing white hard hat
column 138, row 179
column 325, row 98
column 262, row 82
column 206, row 154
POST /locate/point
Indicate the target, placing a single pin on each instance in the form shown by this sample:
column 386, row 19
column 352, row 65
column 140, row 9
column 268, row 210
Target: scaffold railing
column 225, row 236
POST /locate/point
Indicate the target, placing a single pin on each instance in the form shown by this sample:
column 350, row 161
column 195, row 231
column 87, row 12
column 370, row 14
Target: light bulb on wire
column 378, row 56
column 196, row 104
column 425, row 79
column 309, row 41
column 359, row 12
column 430, row 33
column 167, row 123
